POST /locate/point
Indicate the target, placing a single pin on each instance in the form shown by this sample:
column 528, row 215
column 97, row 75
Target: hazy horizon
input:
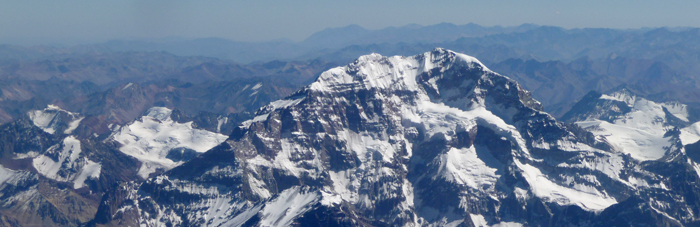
column 78, row 21
column 27, row 42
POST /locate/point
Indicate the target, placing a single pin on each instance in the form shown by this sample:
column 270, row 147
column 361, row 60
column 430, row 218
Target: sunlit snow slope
column 641, row 129
column 159, row 142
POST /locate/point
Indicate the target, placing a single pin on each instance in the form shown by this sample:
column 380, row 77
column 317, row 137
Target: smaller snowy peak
column 622, row 95
column 632, row 124
column 161, row 143
column 676, row 109
column 616, row 105
column 53, row 119
column 626, row 96
column 63, row 162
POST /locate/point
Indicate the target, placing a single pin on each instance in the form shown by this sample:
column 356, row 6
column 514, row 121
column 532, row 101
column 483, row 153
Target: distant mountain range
column 662, row 63
column 245, row 52
column 539, row 42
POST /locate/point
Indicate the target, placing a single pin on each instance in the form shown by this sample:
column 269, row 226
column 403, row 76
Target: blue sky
column 75, row 21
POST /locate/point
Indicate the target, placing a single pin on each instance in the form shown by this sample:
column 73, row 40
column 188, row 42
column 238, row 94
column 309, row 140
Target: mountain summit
column 434, row 139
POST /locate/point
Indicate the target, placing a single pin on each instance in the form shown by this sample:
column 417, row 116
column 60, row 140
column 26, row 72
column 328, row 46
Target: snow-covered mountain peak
column 53, row 119
column 622, row 95
column 374, row 71
column 632, row 124
column 64, row 162
column 432, row 139
column 614, row 106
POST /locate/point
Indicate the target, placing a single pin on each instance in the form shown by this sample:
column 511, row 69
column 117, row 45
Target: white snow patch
column 127, row 86
column 330, row 199
column 637, row 182
column 241, row 218
column 621, row 96
column 690, row 134
column 342, row 183
column 640, row 142
column 73, row 125
column 464, row 167
column 257, row 86
column 258, row 187
column 257, row 118
column 91, row 170
column 696, row 167
column 30, row 154
column 588, row 198
column 151, row 138
column 284, row 103
column 677, row 109
column 43, row 119
column 221, row 120
column 478, row 220
column 279, row 104
column 66, row 158
column 6, row 174
column 255, row 89
column 290, row 203
column 522, row 194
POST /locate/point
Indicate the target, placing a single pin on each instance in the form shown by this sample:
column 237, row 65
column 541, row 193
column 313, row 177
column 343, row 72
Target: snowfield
column 150, row 138
column 639, row 133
